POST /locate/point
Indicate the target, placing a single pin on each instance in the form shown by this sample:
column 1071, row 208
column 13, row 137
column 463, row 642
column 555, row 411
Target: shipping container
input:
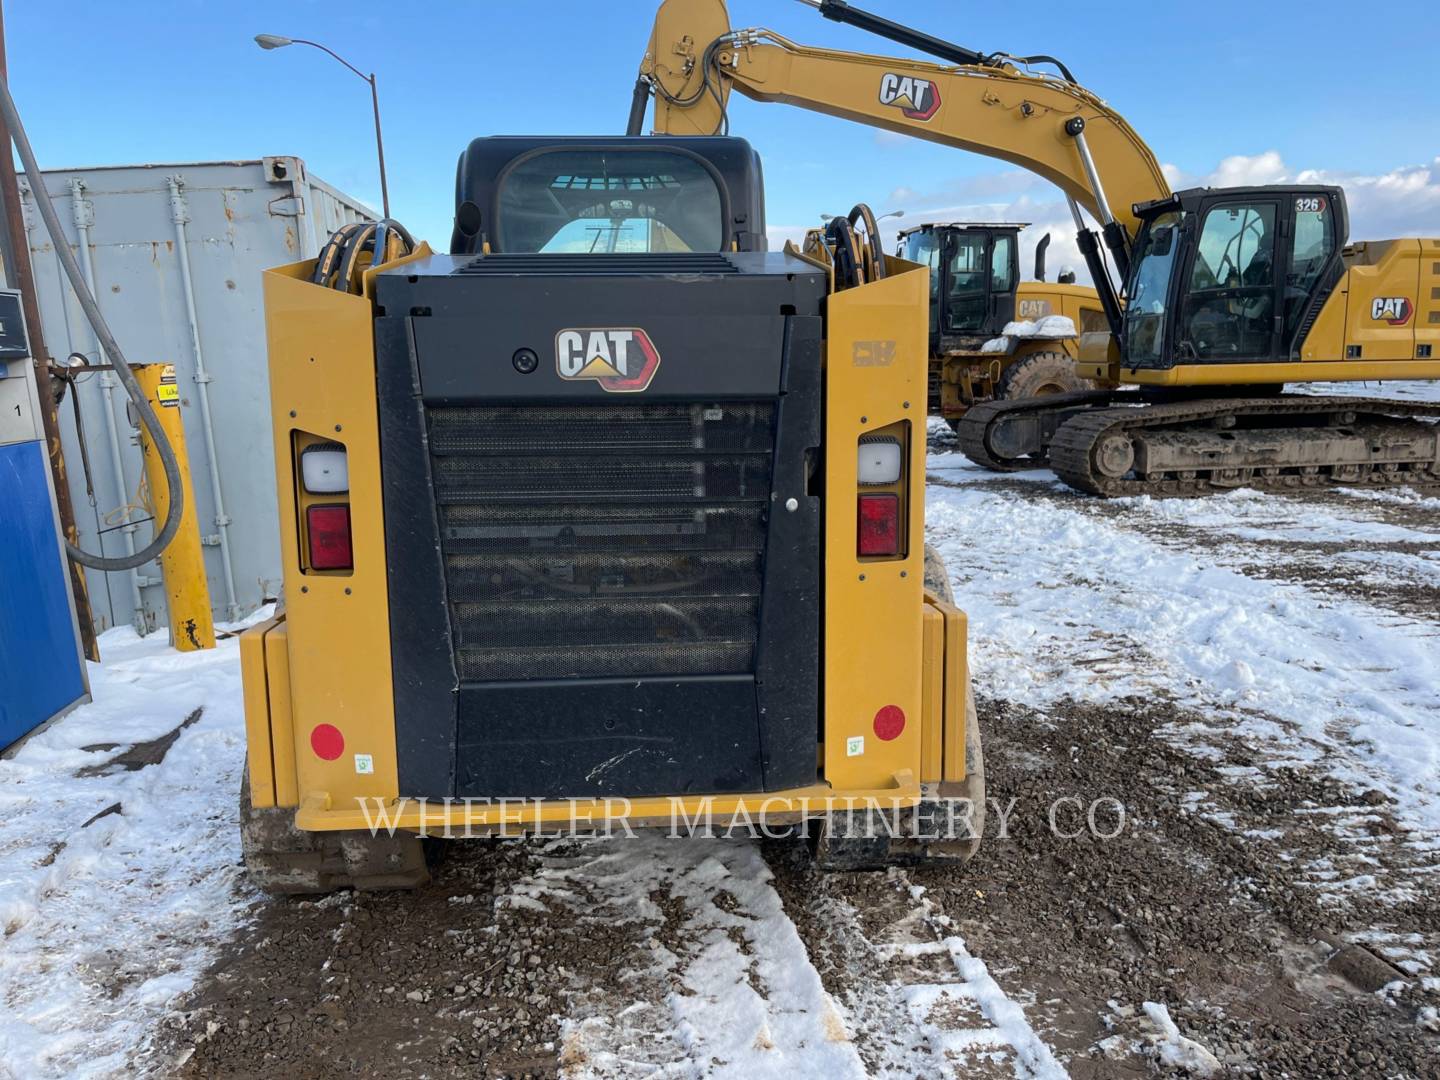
column 174, row 255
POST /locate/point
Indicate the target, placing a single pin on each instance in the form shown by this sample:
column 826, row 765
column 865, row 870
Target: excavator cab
column 974, row 273
column 1232, row 276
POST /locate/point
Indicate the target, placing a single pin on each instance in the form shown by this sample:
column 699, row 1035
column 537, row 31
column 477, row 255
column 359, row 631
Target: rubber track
column 1071, row 458
column 973, row 432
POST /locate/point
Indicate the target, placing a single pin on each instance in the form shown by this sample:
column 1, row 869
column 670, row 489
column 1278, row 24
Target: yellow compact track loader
column 608, row 516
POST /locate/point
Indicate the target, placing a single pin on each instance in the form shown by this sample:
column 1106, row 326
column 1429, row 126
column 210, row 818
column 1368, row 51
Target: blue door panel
column 40, row 672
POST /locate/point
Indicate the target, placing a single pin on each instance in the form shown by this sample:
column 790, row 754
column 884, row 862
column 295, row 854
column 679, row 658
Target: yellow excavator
column 1228, row 294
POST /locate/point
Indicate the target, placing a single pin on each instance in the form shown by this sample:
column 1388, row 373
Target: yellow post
column 182, row 564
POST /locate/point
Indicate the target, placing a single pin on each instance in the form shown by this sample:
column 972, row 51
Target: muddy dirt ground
column 1207, row 905
column 1260, row 892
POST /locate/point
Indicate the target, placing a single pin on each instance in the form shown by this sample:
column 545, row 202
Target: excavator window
column 1229, row 306
column 1156, row 251
column 1313, row 247
column 584, row 201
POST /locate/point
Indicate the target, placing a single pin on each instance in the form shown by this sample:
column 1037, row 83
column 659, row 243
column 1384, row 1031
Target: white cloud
column 1402, row 202
column 778, row 234
column 1247, row 170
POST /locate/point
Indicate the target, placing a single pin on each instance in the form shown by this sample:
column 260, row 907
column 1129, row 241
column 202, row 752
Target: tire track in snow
column 729, row 990
column 919, row 1002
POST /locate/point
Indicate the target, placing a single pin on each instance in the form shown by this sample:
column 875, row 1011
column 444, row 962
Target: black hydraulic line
column 639, row 102
column 1041, row 58
column 849, row 264
column 841, row 12
column 111, row 354
column 1118, row 241
column 861, row 213
column 1089, row 245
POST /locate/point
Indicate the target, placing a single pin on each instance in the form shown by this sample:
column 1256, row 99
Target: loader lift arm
column 991, row 105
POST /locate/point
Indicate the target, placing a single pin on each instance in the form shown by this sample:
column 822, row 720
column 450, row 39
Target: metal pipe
column 180, row 215
column 379, row 147
column 81, row 213
column 1075, row 127
column 114, row 357
column 67, row 323
column 20, row 273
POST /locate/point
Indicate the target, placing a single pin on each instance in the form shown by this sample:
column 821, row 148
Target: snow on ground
column 107, row 917
column 1401, row 389
column 739, row 994
column 747, row 996
column 1068, row 597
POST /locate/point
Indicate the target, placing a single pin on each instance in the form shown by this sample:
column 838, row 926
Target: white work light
column 879, row 461
column 324, row 470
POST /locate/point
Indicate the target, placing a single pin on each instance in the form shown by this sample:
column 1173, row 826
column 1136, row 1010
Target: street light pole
column 275, row 41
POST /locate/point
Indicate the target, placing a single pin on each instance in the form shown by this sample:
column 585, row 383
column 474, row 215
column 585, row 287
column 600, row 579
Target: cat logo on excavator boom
column 918, row 99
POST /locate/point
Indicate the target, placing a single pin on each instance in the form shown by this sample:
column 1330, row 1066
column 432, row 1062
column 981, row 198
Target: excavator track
column 1191, row 448
column 975, row 428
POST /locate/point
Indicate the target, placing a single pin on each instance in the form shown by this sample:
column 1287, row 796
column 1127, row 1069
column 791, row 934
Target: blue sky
column 1281, row 85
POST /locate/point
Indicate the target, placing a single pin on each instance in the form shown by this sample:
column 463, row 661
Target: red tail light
column 328, row 528
column 879, row 532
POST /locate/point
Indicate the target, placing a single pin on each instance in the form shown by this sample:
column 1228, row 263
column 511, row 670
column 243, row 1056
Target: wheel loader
column 1227, row 294
column 975, row 293
column 606, row 518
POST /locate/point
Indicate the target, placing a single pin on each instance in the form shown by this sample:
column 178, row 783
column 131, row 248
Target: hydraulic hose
column 111, row 355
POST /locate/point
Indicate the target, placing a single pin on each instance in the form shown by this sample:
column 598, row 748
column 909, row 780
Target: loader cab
column 974, row 271
column 1231, row 275
column 608, row 195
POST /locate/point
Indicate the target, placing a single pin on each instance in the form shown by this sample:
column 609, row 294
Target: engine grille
column 602, row 540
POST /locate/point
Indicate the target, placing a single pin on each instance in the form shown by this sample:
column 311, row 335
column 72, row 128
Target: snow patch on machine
column 1048, row 328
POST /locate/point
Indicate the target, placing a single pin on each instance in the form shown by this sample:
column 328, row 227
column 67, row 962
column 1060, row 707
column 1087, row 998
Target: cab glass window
column 1147, row 302
column 1230, row 306
column 1002, row 259
column 965, row 305
column 923, row 247
column 606, row 201
column 1314, row 245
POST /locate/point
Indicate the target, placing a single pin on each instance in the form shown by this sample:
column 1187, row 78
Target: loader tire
column 285, row 861
column 1038, row 375
column 937, row 578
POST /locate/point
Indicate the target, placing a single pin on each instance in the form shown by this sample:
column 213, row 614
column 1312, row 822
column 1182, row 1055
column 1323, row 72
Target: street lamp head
column 272, row 41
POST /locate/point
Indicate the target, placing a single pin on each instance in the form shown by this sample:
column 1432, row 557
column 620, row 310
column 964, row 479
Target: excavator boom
column 994, row 106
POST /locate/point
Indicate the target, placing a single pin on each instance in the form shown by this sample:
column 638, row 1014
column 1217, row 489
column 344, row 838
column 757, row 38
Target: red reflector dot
column 889, row 723
column 329, row 744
